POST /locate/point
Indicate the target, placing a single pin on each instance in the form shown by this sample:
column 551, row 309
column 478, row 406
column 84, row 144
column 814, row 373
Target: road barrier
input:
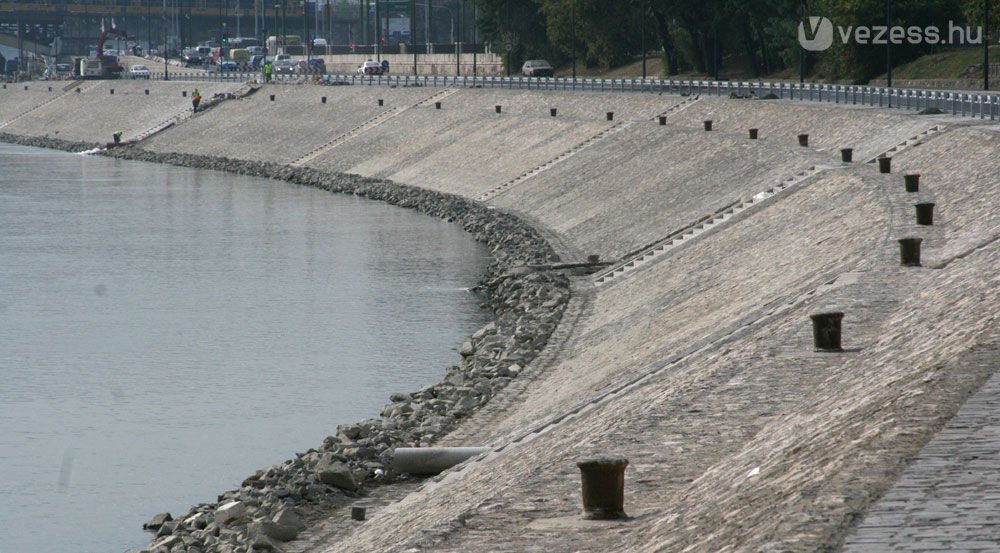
column 964, row 104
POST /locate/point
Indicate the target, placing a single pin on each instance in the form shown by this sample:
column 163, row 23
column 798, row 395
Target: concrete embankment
column 695, row 357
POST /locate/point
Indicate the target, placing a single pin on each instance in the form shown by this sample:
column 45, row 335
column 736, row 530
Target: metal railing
column 965, row 104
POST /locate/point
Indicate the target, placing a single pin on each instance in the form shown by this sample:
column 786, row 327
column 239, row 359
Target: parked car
column 139, row 72
column 64, row 70
column 370, row 67
column 537, row 68
column 227, row 65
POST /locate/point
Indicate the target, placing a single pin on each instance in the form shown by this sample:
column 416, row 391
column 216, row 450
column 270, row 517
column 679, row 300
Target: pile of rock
column 527, row 300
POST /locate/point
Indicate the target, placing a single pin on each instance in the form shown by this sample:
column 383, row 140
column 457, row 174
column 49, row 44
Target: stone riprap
column 698, row 367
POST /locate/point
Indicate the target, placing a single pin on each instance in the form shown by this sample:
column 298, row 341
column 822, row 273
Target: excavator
column 101, row 66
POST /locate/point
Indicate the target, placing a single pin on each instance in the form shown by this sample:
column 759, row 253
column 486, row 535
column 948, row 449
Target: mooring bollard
column 553, row 111
column 925, row 213
column 912, row 182
column 708, row 124
column 147, row 92
column 50, row 89
column 663, row 120
column 753, row 134
column 112, row 91
column 358, row 513
column 909, row 252
column 847, row 155
column 272, row 97
column 885, row 164
column 184, row 93
column 26, row 87
column 804, row 140
column 381, row 101
column 826, row 331
column 322, row 100
column 498, row 108
column 611, row 116
column 437, row 105
column 593, row 258
column 603, row 481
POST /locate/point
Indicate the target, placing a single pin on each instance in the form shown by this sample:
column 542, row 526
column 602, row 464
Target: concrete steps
column 368, row 125
column 493, row 193
column 697, row 229
column 65, row 89
column 909, row 143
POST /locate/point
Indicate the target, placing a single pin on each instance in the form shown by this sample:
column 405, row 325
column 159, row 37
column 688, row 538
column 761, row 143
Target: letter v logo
column 819, row 34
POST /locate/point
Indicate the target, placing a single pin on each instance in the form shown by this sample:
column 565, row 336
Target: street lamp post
column 802, row 50
column 986, row 44
column 572, row 24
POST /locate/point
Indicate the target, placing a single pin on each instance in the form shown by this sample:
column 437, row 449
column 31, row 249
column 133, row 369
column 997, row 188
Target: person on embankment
column 195, row 100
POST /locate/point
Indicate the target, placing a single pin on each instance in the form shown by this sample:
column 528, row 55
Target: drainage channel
column 698, row 228
column 368, row 125
column 493, row 193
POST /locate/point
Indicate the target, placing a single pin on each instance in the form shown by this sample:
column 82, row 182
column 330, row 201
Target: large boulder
column 157, row 521
column 337, row 474
column 230, row 512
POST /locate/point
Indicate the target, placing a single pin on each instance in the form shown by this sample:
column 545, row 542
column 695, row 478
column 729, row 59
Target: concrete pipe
column 431, row 460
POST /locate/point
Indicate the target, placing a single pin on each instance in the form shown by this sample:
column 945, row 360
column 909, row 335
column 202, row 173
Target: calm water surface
column 165, row 332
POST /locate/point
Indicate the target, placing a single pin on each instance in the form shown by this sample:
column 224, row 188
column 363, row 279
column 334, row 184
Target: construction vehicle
column 102, row 65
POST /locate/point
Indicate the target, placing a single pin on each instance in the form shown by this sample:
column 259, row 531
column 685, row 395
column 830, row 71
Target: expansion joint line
column 697, row 229
column 43, row 104
column 366, row 126
column 908, row 143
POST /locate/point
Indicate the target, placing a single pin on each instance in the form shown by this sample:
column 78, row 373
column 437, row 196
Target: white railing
column 966, row 104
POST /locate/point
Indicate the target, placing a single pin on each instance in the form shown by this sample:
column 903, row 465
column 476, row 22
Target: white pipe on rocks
column 431, row 460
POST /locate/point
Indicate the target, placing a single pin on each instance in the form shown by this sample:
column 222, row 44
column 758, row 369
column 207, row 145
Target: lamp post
column 986, row 44
column 889, row 6
column 572, row 24
column 802, row 50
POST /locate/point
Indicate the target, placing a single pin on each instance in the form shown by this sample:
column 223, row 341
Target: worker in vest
column 195, row 100
column 118, row 137
column 268, row 68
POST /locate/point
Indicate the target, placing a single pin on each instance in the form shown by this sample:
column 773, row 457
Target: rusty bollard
column 708, row 124
column 381, row 101
column 322, row 100
column 925, row 213
column 593, row 258
column 885, row 164
column 553, row 111
column 437, row 105
column 272, row 97
column 912, row 182
column 358, row 513
column 499, row 109
column 184, row 93
column 826, row 331
column 112, row 91
column 909, row 252
column 663, row 120
column 147, row 92
column 753, row 134
column 804, row 140
column 847, row 155
column 603, row 487
column 611, row 116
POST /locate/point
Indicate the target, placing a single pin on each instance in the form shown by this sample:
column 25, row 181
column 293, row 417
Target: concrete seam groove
column 497, row 191
column 634, row 261
column 909, row 143
column 39, row 106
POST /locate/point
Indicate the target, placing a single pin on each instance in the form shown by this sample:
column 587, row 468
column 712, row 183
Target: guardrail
column 978, row 105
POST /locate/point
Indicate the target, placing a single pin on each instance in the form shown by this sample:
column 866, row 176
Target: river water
column 164, row 332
